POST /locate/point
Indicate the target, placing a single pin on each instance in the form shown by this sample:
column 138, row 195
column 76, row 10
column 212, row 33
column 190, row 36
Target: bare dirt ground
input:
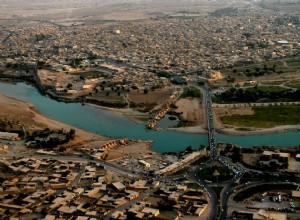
column 132, row 149
column 233, row 111
column 251, row 159
column 117, row 10
column 156, row 96
column 191, row 110
column 48, row 77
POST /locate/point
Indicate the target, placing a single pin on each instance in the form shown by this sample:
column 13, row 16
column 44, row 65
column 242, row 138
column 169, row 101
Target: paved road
column 211, row 210
column 224, row 196
column 81, row 171
column 87, row 159
column 210, row 125
column 215, row 157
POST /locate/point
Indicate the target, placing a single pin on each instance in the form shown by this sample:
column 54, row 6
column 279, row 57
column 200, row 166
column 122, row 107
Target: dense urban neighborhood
column 167, row 110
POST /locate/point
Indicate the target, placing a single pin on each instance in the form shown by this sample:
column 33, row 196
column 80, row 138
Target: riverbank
column 131, row 114
column 198, row 129
column 257, row 131
column 24, row 113
column 189, row 107
column 114, row 126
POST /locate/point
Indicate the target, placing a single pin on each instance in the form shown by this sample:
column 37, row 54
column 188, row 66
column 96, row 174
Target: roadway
column 237, row 170
column 83, row 159
column 211, row 210
column 210, row 125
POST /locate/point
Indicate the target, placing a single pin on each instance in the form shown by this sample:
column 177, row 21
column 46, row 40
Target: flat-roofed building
column 281, row 157
column 152, row 211
column 9, row 136
column 296, row 194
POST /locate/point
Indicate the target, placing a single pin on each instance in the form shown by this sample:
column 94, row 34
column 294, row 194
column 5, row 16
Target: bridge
column 210, row 124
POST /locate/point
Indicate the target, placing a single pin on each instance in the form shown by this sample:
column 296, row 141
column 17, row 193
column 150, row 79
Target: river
column 112, row 125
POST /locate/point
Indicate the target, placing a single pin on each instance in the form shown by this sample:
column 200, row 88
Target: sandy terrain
column 156, row 96
column 24, row 113
column 15, row 110
column 126, row 112
column 277, row 129
column 48, row 77
column 199, row 129
column 133, row 149
column 233, row 111
column 191, row 110
column 89, row 10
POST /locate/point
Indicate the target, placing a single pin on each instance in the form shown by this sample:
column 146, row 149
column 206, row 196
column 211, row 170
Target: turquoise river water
column 109, row 124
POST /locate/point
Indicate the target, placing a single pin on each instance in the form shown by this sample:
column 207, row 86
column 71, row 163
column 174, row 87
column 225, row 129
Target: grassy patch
column 293, row 62
column 266, row 117
column 271, row 88
column 293, row 84
column 191, row 92
column 289, row 65
column 274, row 82
column 207, row 174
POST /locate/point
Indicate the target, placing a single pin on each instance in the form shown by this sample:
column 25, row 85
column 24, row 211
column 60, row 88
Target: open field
column 156, row 96
column 293, row 84
column 92, row 73
column 68, row 12
column 108, row 98
column 265, row 117
column 277, row 70
column 271, row 89
column 273, row 82
column 132, row 149
column 191, row 109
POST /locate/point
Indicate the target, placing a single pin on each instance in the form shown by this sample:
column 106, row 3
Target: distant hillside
column 88, row 3
column 107, row 9
column 280, row 1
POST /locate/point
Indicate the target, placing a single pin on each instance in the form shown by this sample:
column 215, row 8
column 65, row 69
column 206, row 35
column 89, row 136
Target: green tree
column 201, row 147
column 71, row 134
column 70, row 85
